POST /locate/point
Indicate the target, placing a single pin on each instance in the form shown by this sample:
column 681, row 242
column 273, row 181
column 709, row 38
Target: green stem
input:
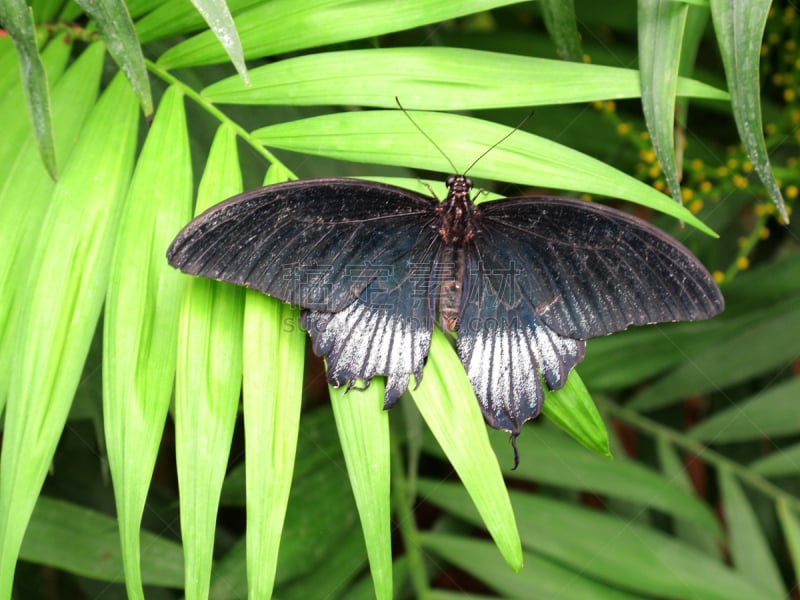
column 677, row 438
column 214, row 111
column 407, row 526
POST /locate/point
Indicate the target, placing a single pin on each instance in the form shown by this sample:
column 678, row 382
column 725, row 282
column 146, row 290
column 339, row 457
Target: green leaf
column 630, row 357
column 170, row 18
column 315, row 534
column 114, row 22
column 220, row 21
column 17, row 17
column 747, row 544
column 141, row 320
column 772, row 413
column 334, row 575
column 450, row 409
column 208, row 383
column 574, row 411
column 433, row 78
column 86, row 542
column 559, row 18
column 549, row 457
column 791, row 531
column 739, row 25
column 522, row 158
column 661, row 26
column 272, row 392
column 25, row 194
column 767, row 343
column 17, row 130
column 675, row 472
column 363, row 427
column 779, row 464
column 541, row 577
column 282, row 26
column 60, row 308
column 609, row 549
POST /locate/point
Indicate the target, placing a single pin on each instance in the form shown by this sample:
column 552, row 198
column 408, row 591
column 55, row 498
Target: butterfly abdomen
column 457, row 229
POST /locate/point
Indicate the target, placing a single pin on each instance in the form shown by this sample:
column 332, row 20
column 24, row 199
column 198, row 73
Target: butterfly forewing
column 591, row 270
column 313, row 243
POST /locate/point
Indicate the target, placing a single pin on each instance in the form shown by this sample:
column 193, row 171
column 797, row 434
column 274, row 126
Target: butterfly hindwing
column 506, row 348
column 386, row 331
column 591, row 270
column 312, row 243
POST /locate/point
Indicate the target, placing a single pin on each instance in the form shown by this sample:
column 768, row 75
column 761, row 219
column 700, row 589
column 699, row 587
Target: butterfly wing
column 507, row 350
column 544, row 274
column 316, row 243
column 590, row 270
column 386, row 331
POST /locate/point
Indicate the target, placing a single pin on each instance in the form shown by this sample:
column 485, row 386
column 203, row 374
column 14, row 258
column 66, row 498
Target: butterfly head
column 459, row 184
column 458, row 189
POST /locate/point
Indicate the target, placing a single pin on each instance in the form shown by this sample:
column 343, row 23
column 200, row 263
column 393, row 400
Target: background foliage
column 131, row 390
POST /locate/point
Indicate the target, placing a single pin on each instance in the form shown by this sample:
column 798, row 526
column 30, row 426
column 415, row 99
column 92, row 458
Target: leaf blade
column 18, row 18
column 114, row 22
column 208, row 383
column 661, row 26
column 141, row 320
column 434, row 79
column 739, row 25
column 62, row 305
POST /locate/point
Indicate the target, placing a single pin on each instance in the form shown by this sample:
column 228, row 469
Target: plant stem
column 407, row 526
column 213, row 110
column 711, row 456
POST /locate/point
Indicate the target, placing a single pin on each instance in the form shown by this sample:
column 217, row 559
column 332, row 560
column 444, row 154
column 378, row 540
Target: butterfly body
column 525, row 281
column 457, row 231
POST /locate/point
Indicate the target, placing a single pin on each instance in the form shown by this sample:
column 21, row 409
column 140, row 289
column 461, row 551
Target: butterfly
column 525, row 281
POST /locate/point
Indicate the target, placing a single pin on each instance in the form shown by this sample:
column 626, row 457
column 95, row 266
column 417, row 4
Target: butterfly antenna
column 427, row 137
column 501, row 140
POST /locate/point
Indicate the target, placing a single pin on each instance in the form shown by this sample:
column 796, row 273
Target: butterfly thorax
column 456, row 229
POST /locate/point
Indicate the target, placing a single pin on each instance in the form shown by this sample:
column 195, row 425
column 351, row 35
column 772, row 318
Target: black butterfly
column 525, row 281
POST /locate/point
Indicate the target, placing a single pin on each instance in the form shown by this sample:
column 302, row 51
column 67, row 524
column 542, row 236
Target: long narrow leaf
column 541, row 577
column 572, row 409
column 791, row 531
column 748, row 545
column 522, row 158
column 18, row 18
column 25, row 194
column 661, row 25
column 559, row 18
column 54, row 57
column 60, row 309
column 451, row 411
column 675, row 471
column 282, row 26
column 363, row 428
column 141, row 320
column 86, row 542
column 772, row 413
column 435, row 79
column 273, row 376
column 779, row 464
column 740, row 26
column 220, row 21
column 208, row 383
column 114, row 22
column 604, row 547
column 549, row 457
column 768, row 343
